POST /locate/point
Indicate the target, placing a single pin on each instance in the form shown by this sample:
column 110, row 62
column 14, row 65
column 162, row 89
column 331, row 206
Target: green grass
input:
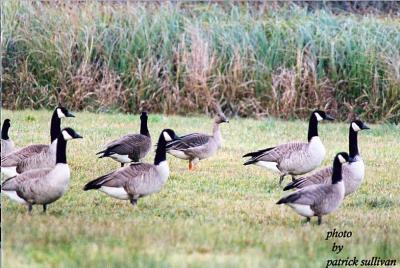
column 222, row 215
column 283, row 61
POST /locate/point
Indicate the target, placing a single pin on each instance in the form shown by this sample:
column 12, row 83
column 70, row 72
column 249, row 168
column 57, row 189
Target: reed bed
column 178, row 60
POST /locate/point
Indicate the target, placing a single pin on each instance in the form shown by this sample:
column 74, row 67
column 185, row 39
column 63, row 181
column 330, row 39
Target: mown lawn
column 221, row 215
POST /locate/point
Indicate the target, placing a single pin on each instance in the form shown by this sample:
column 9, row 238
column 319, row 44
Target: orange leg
column 191, row 166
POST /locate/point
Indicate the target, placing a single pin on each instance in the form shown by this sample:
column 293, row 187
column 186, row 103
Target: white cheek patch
column 355, row 127
column 167, row 137
column 318, row 116
column 341, row 159
column 60, row 114
column 66, row 135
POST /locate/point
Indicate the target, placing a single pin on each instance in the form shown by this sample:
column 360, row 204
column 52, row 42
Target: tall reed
column 176, row 59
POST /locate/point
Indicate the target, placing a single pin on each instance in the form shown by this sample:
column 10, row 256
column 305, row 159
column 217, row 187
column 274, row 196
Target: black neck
column 312, row 127
column 4, row 132
column 337, row 171
column 55, row 126
column 143, row 127
column 61, row 154
column 161, row 154
column 353, row 143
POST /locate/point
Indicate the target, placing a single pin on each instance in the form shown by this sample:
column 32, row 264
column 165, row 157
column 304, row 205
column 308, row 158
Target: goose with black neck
column 320, row 199
column 44, row 185
column 7, row 145
column 138, row 179
column 294, row 158
column 132, row 147
column 353, row 173
column 36, row 155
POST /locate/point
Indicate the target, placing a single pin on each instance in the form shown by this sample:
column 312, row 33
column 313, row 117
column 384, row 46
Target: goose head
column 358, row 125
column 63, row 112
column 143, row 116
column 321, row 115
column 4, row 129
column 220, row 118
column 6, row 123
column 69, row 134
column 343, row 158
column 168, row 135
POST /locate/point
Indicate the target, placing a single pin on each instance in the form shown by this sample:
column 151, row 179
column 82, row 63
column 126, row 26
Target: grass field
column 222, row 215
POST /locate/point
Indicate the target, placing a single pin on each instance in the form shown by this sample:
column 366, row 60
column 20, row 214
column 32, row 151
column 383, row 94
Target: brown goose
column 295, row 158
column 37, row 155
column 44, row 185
column 353, row 173
column 130, row 148
column 7, row 145
column 319, row 199
column 197, row 146
column 138, row 179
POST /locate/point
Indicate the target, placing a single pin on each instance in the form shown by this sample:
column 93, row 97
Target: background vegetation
column 221, row 215
column 254, row 61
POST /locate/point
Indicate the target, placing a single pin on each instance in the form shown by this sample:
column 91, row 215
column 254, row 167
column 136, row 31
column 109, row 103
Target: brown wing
column 188, row 141
column 130, row 177
column 129, row 144
column 14, row 158
column 310, row 195
column 28, row 177
column 281, row 151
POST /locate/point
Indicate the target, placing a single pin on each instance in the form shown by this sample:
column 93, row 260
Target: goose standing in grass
column 138, row 179
column 130, row 148
column 36, row 155
column 197, row 146
column 44, row 185
column 7, row 145
column 319, row 199
column 294, row 158
column 353, row 172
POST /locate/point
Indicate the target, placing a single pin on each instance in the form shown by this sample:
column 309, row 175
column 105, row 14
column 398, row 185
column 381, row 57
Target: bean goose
column 319, row 199
column 130, row 148
column 197, row 146
column 37, row 155
column 7, row 145
column 294, row 158
column 44, row 185
column 353, row 173
column 138, row 179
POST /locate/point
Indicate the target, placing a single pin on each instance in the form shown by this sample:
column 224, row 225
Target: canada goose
column 37, row 155
column 319, row 199
column 130, row 148
column 197, row 146
column 7, row 145
column 294, row 158
column 353, row 173
column 44, row 185
column 138, row 179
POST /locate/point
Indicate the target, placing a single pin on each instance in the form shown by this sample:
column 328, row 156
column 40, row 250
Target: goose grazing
column 353, row 173
column 294, row 158
column 130, row 148
column 319, row 199
column 138, row 179
column 197, row 146
column 37, row 155
column 44, row 185
column 7, row 145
